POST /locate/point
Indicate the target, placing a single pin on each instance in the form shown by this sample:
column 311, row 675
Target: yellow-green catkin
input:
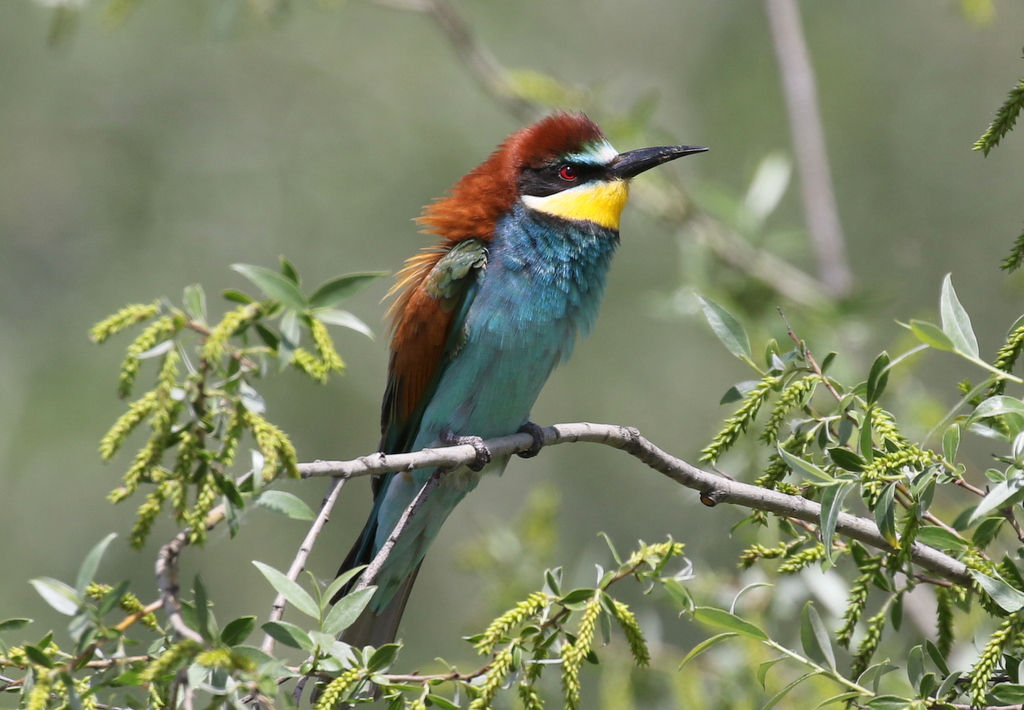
column 944, row 621
column 124, row 318
column 88, row 700
column 129, row 603
column 869, row 644
column 216, row 344
column 653, row 554
column 634, row 634
column 756, row 552
column 169, row 660
column 156, row 332
column 857, row 600
column 990, row 656
column 888, row 467
column 39, row 696
column 1007, row 357
column 325, row 346
column 510, row 619
column 275, row 446
column 334, row 693
column 206, row 498
column 147, row 515
column 500, row 667
column 530, row 698
column 803, row 559
column 126, row 423
column 884, row 425
column 738, row 422
column 573, row 654
column 307, row 362
column 795, row 394
column 216, row 658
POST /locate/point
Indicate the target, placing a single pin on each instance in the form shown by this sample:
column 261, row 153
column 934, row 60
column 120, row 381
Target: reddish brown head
column 474, row 204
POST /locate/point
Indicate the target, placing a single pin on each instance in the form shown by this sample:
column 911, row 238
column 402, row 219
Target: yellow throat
column 599, row 202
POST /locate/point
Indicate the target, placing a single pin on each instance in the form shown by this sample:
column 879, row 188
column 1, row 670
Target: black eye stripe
column 548, row 179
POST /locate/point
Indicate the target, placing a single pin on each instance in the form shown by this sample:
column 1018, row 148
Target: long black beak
column 633, row 162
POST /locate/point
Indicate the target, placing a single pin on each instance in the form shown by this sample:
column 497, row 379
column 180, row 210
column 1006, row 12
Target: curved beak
column 633, row 162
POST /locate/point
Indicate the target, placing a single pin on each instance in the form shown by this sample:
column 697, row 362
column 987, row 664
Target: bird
column 481, row 319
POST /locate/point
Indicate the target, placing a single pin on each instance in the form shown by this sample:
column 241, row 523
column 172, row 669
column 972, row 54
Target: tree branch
column 817, row 195
column 714, row 489
column 299, row 563
column 167, row 576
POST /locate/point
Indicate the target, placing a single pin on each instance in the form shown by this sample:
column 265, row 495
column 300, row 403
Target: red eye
column 567, row 172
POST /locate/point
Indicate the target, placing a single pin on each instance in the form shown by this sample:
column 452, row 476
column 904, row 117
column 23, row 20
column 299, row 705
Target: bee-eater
column 481, row 319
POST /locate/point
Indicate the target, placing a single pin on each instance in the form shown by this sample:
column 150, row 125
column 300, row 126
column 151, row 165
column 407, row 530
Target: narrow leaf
column 330, row 293
column 238, row 630
column 296, row 595
column 90, row 564
column 1008, row 598
column 288, row 634
column 286, row 504
column 274, row 285
column 705, row 645
column 14, row 624
column 726, row 327
column 831, row 504
column 340, row 581
column 951, row 442
column 931, row 334
column 785, row 691
column 345, row 320
column 57, row 594
column 347, row 610
column 999, row 405
column 725, row 620
column 878, row 378
column 941, row 539
column 762, row 670
column 814, row 637
column 798, row 464
column 885, row 515
column 995, row 498
column 955, row 321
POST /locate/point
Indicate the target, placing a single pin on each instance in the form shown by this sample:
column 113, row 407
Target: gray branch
column 714, row 489
column 817, row 195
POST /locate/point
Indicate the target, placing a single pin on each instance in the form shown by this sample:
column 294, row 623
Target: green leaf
column 296, row 595
column 841, row 698
column 888, row 702
column 289, row 271
column 798, row 464
column 885, row 515
column 997, row 406
column 330, row 293
column 941, row 539
column 705, row 645
column 202, row 607
column 340, row 581
column 238, row 630
column 931, row 334
column 785, row 691
column 762, row 670
column 814, row 638
column 725, row 620
column 995, row 498
column 274, row 285
column 949, row 686
column 443, row 703
column 345, row 319
column 726, row 327
column 846, row 459
column 58, row 595
column 286, row 504
column 915, row 666
column 878, row 378
column 91, row 563
column 937, row 659
column 866, row 442
column 955, row 321
column 347, row 610
column 577, row 598
column 1008, row 598
column 233, row 294
column 832, row 498
column 383, row 657
column 195, row 302
column 36, row 655
column 288, row 634
column 951, row 442
column 14, row 624
column 1008, row 693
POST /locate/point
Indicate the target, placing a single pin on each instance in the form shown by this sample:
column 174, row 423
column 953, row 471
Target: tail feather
column 377, row 629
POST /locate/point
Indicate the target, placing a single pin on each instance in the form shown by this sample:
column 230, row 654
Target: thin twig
column 713, row 488
column 817, row 194
column 299, row 563
column 167, row 576
column 369, row 576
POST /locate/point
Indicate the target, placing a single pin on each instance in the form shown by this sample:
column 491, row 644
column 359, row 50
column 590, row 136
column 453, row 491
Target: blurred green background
column 139, row 159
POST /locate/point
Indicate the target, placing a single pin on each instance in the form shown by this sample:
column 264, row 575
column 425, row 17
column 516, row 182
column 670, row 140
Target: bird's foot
column 483, row 454
column 538, row 440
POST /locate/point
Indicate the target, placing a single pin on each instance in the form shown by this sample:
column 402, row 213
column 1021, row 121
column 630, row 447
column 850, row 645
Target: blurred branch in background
column 816, row 190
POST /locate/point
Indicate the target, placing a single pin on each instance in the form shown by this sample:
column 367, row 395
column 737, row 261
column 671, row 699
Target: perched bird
column 481, row 319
